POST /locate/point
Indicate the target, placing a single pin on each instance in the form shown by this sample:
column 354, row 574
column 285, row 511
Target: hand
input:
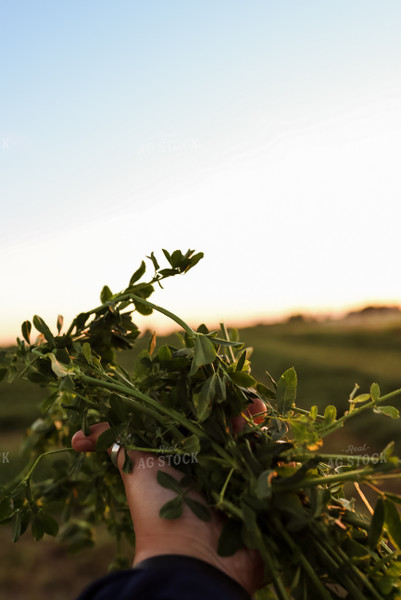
column 188, row 534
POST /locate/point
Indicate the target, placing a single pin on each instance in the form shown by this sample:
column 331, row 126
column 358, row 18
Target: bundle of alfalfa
column 279, row 492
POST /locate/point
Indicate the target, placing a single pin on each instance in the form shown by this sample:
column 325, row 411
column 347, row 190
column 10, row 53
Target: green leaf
column 6, row 509
column 387, row 453
column 199, row 509
column 375, row 392
column 17, row 526
column 264, row 391
column 393, row 497
column 26, row 328
column 194, row 260
column 376, row 525
column 203, row 400
column 154, row 261
column 87, row 352
column 164, row 353
column 357, row 552
column 176, row 259
column 272, row 381
column 191, row 444
column 108, row 437
column 43, row 523
column 3, row 373
column 204, row 352
column 286, row 390
column 43, row 328
column 393, row 523
column 143, row 309
column 138, row 273
column 48, row 402
column 85, row 424
column 360, row 398
column 385, row 584
column 241, row 361
column 263, row 485
column 172, row 509
column 330, row 414
column 229, row 343
column 49, row 524
column 242, row 379
column 230, row 540
column 37, row 528
column 106, row 294
column 128, row 464
column 57, row 368
column 319, row 498
column 167, row 255
column 389, row 411
column 168, row 481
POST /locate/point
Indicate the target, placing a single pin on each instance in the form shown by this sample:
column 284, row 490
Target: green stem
column 361, row 576
column 164, row 311
column 158, row 408
column 134, row 297
column 359, row 458
column 349, row 415
column 328, row 479
column 343, row 577
column 156, row 450
column 223, row 489
column 39, row 458
column 302, row 411
column 296, row 551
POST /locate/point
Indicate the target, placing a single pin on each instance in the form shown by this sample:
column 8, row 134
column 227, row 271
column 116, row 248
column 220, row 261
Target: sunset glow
column 268, row 137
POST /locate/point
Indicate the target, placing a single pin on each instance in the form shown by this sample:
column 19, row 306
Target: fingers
column 87, row 443
column 255, row 407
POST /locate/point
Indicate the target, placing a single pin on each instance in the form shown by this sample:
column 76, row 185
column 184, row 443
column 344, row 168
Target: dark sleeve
column 167, row 577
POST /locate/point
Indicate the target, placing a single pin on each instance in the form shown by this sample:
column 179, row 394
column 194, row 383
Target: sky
column 265, row 134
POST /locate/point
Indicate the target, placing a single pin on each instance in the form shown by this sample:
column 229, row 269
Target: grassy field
column 330, row 357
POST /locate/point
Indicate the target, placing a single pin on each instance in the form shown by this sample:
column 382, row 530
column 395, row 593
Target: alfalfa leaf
column 203, row 400
column 375, row 392
column 87, row 352
column 389, row 411
column 172, row 509
column 393, row 522
column 108, row 437
column 43, row 328
column 58, row 369
column 361, row 398
column 138, row 273
column 330, row 414
column 230, row 539
column 106, row 294
column 26, row 328
column 286, row 390
column 377, row 522
column 168, row 481
column 242, row 379
column 204, row 352
column 199, row 509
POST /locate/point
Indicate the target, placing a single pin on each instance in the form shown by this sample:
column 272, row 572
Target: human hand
column 187, row 535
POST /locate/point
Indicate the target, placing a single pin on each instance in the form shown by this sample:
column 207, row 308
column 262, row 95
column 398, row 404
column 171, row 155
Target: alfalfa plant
column 279, row 491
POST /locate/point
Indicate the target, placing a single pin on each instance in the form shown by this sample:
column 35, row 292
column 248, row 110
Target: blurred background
column 265, row 134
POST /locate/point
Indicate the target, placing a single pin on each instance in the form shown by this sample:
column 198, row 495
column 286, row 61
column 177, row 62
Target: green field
column 330, row 357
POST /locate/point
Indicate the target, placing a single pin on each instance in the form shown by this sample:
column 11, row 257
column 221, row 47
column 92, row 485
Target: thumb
column 87, row 443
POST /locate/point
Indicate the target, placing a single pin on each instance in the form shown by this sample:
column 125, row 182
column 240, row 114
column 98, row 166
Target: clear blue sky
column 266, row 134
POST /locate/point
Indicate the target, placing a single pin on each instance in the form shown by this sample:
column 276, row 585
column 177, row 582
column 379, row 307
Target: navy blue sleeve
column 167, row 577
